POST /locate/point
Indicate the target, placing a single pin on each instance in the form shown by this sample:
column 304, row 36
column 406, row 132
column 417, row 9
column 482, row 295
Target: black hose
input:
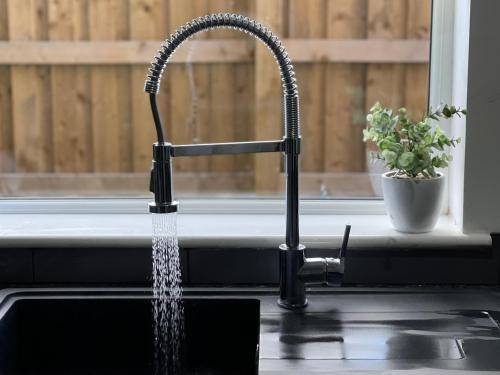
column 157, row 119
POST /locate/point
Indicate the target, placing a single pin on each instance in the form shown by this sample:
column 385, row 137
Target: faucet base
column 292, row 289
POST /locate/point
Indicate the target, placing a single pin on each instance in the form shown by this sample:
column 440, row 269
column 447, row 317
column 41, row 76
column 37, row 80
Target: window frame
column 448, row 81
column 272, row 205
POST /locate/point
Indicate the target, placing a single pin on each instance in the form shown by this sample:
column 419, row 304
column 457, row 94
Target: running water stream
column 168, row 311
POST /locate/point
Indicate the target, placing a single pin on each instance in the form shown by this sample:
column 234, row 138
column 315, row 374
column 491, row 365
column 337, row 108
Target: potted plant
column 413, row 151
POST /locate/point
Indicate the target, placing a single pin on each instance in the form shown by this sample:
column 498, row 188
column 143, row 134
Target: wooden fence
column 74, row 118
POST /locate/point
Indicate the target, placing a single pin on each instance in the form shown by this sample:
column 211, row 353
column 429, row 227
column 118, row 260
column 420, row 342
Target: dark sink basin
column 114, row 336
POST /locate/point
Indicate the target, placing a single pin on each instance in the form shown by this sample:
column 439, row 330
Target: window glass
column 74, row 120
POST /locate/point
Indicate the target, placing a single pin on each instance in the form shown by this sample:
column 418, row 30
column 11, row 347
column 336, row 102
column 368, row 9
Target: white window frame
column 448, row 84
column 270, row 206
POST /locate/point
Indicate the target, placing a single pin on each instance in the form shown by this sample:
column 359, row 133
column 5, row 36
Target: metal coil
column 291, row 113
column 247, row 25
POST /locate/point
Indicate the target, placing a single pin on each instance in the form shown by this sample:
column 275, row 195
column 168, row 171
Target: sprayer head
column 165, row 208
column 161, row 180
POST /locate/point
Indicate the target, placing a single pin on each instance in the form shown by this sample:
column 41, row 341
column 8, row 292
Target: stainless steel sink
column 373, row 336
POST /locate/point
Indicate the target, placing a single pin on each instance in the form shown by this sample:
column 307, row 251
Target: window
column 74, row 120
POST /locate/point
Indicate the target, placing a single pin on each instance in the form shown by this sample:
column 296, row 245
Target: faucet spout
column 292, row 287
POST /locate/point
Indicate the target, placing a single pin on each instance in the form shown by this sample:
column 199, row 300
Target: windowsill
column 222, row 230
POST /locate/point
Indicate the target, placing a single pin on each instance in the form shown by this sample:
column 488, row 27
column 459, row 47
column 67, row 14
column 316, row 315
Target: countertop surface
column 361, row 331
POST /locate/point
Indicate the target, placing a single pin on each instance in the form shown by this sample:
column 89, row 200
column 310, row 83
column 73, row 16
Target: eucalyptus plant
column 413, row 149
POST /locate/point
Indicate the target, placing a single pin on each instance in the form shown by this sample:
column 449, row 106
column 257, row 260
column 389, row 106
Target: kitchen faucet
column 296, row 270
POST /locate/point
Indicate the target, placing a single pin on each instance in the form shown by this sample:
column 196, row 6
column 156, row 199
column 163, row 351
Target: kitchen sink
column 70, row 335
column 235, row 331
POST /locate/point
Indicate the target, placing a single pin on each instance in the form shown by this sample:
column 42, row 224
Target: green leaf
column 375, row 107
column 428, row 139
column 366, row 135
column 446, row 111
column 388, row 144
column 389, row 156
column 406, row 160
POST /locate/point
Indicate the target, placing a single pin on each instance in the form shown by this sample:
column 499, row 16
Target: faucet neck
column 230, row 21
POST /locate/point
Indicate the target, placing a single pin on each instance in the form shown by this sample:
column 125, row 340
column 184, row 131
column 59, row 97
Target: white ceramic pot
column 413, row 205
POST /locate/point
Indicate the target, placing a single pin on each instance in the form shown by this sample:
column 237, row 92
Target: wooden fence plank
column 245, row 112
column 148, row 21
column 382, row 51
column 386, row 20
column 6, row 137
column 268, row 97
column 307, row 20
column 240, row 184
column 213, row 51
column 244, row 93
column 110, row 92
column 32, row 124
column 385, row 83
column 417, row 75
column 190, row 90
column 222, row 99
column 70, row 91
column 344, row 149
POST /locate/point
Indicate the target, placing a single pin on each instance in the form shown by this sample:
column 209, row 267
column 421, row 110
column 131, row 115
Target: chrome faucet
column 296, row 271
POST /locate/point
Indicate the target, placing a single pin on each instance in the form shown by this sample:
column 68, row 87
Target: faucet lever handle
column 335, row 266
column 345, row 240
